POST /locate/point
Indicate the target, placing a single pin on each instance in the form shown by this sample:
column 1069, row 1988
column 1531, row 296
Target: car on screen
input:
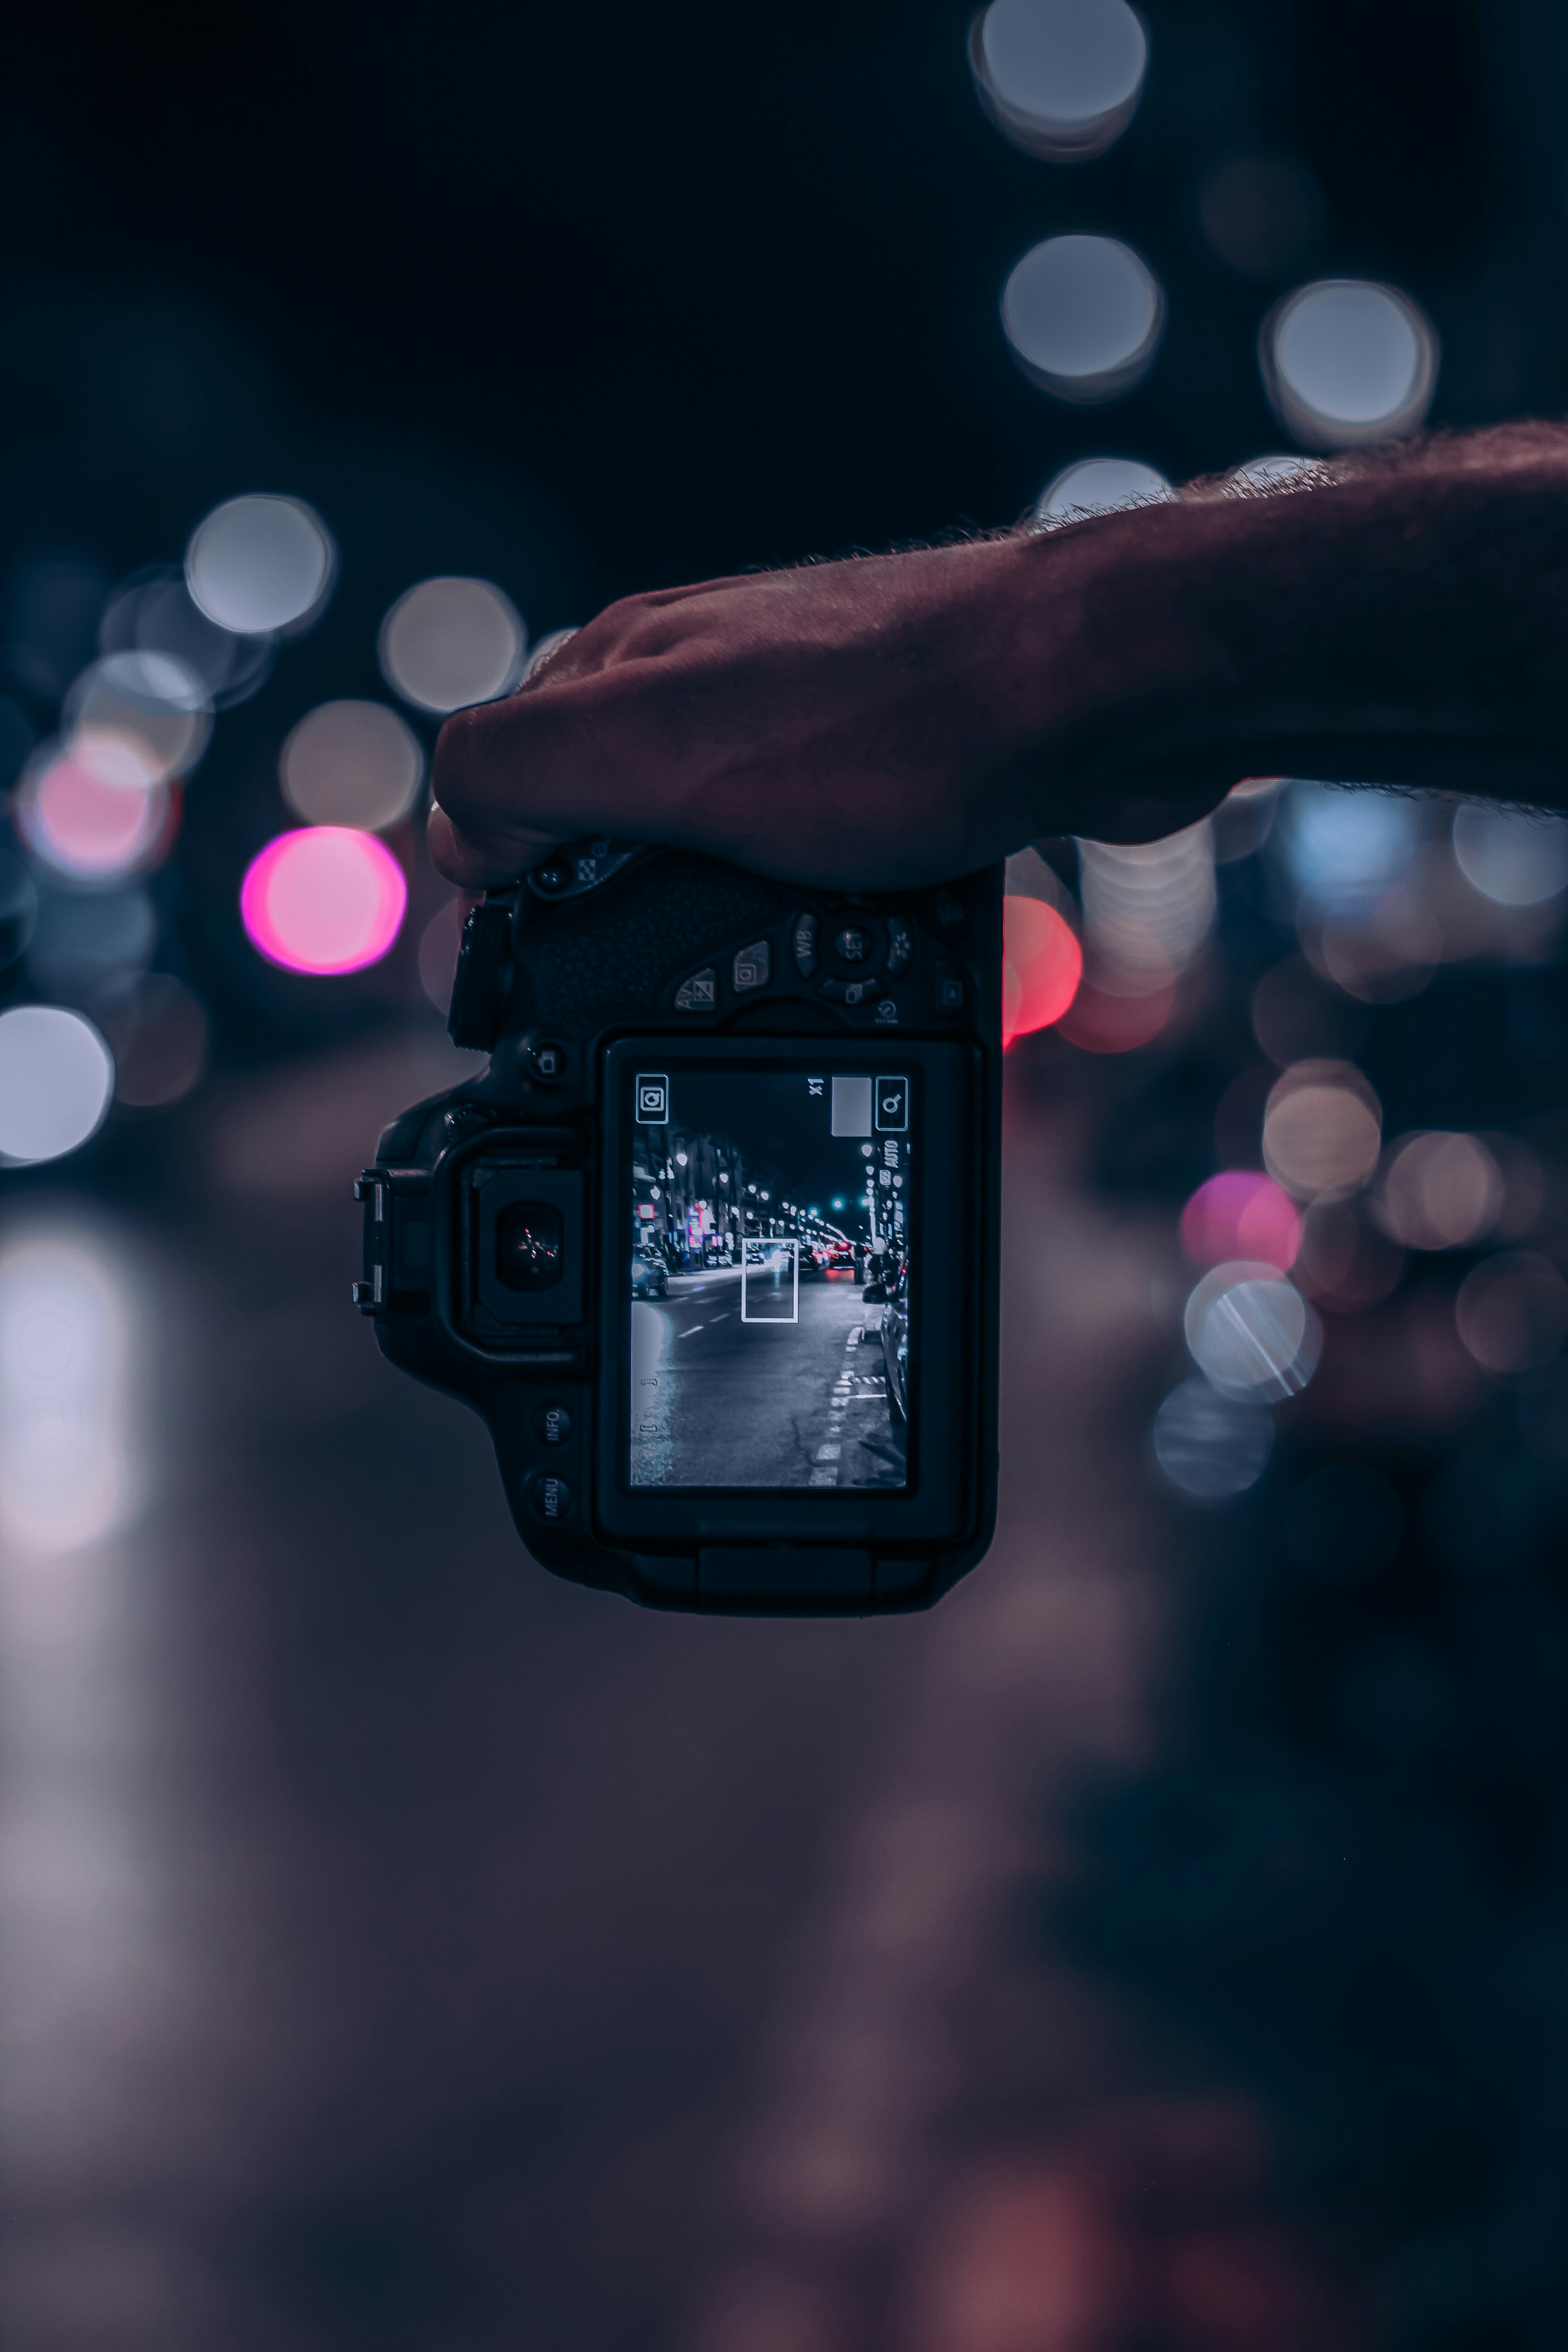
column 890, row 1284
column 650, row 1275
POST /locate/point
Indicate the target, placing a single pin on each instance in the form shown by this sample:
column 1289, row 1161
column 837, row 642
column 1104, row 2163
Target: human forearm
column 1403, row 620
column 901, row 717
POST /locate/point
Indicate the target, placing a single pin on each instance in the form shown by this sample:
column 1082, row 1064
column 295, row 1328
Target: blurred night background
column 1163, row 1948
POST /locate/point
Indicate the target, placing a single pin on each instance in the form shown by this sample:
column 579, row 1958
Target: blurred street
column 1159, row 1947
column 777, row 1399
column 400, row 1946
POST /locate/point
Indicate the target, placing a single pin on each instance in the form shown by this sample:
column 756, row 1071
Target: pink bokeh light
column 1241, row 1214
column 82, row 824
column 324, row 899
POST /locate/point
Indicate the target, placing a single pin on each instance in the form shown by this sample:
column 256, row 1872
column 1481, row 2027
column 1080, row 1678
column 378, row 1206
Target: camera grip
column 587, row 962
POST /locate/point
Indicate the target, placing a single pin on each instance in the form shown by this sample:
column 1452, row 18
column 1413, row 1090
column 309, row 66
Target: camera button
column 900, row 947
column 549, row 1496
column 753, row 967
column 547, row 1061
column 464, row 1119
column 804, row 942
column 699, row 994
column 849, row 991
column 950, row 993
column 553, row 1422
column 852, row 945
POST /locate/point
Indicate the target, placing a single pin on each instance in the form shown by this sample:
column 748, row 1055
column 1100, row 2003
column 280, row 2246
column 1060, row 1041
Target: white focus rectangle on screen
column 851, row 1106
column 770, row 1281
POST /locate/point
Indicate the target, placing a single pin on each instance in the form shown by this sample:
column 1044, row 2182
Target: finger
column 473, row 865
column 484, row 776
column 518, row 775
column 451, row 852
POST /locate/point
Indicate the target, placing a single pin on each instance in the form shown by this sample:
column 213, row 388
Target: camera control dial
column 481, row 982
column 582, row 867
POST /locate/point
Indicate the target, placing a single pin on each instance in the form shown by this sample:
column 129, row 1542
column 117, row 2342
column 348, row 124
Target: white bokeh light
column 1343, row 848
column 450, row 643
column 353, row 763
column 262, row 565
column 1082, row 316
column 1322, row 1130
column 1515, row 857
column 1439, row 1190
column 137, row 718
column 1148, row 907
column 57, row 1081
column 153, row 612
column 1101, row 485
column 1209, row 1445
column 1060, row 78
column 1347, row 362
column 68, row 1472
column 1252, row 1333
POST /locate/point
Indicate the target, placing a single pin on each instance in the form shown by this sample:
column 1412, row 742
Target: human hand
column 858, row 723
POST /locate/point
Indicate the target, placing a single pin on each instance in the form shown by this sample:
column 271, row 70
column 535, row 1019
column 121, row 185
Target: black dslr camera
column 712, row 1244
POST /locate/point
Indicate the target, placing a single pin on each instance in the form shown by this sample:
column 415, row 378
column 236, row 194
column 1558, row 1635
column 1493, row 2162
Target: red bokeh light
column 1241, row 1214
column 1107, row 1021
column 1042, row 965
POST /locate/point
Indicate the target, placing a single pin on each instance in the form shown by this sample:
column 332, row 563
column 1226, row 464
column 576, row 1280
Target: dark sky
column 786, row 1138
column 591, row 298
column 721, row 282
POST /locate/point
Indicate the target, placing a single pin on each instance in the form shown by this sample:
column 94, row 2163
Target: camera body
column 712, row 1244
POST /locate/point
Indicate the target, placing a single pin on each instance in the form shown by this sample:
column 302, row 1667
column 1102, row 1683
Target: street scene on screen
column 768, row 1279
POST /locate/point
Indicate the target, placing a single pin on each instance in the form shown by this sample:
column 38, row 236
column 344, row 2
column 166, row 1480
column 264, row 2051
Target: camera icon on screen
column 653, row 1101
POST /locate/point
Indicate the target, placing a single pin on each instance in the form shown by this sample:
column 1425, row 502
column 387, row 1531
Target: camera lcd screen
column 767, row 1275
